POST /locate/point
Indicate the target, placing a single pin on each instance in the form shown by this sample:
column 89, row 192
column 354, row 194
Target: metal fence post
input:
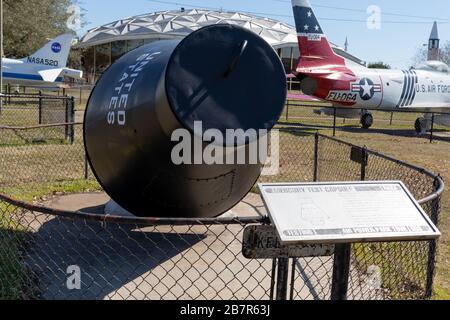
column 293, row 271
column 432, row 247
column 68, row 103
column 9, row 93
column 81, row 96
column 287, row 110
column 341, row 272
column 66, row 120
column 86, row 168
column 334, row 122
column 282, row 279
column 432, row 128
column 40, row 107
column 70, row 111
column 316, row 158
column 364, row 163
column 273, row 282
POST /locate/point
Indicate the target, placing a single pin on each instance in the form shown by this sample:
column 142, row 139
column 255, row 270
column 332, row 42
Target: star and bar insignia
column 366, row 88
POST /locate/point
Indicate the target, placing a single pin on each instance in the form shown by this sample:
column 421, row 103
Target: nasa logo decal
column 366, row 89
column 56, row 47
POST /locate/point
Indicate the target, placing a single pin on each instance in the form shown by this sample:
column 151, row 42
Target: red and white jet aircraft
column 344, row 83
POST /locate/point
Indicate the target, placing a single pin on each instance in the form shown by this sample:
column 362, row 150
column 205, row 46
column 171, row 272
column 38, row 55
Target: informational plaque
column 346, row 212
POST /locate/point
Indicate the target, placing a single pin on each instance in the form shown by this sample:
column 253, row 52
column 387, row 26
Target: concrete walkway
column 183, row 262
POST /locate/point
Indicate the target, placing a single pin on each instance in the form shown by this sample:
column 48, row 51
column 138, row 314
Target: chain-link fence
column 36, row 119
column 79, row 92
column 51, row 250
column 403, row 122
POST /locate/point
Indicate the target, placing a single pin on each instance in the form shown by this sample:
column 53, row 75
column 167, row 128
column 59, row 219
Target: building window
column 147, row 41
column 133, row 44
column 88, row 63
column 102, row 58
column 286, row 58
column 118, row 49
column 295, row 57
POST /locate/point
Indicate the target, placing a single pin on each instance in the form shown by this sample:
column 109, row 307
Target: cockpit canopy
column 436, row 66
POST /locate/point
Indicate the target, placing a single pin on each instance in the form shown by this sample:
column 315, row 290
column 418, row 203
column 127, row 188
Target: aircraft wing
column 429, row 106
column 341, row 76
column 302, row 97
column 50, row 75
column 72, row 73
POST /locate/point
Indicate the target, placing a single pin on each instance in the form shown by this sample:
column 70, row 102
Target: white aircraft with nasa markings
column 355, row 88
column 45, row 68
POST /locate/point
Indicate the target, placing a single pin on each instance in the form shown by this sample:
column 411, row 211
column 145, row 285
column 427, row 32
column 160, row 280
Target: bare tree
column 444, row 54
column 29, row 24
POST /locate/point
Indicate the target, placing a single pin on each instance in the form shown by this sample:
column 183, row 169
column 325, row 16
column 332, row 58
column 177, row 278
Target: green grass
column 441, row 293
column 35, row 191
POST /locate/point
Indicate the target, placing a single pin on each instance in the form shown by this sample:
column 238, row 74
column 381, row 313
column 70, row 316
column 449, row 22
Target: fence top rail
column 40, row 126
column 34, row 96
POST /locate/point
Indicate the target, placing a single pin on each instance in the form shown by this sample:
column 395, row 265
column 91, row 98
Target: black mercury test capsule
column 223, row 78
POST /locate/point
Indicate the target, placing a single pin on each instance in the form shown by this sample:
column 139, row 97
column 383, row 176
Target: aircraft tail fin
column 54, row 54
column 315, row 50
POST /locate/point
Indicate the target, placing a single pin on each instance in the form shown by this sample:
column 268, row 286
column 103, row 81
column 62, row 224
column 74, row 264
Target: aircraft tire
column 366, row 120
column 419, row 125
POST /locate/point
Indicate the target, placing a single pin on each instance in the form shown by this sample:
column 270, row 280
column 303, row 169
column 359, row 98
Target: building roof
column 434, row 32
column 179, row 23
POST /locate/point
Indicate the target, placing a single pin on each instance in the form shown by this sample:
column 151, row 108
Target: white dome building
column 103, row 45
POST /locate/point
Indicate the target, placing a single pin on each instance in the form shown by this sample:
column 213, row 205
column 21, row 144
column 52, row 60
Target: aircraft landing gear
column 366, row 120
column 422, row 125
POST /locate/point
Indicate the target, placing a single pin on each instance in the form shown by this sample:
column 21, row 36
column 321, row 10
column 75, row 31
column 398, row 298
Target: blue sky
column 395, row 43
